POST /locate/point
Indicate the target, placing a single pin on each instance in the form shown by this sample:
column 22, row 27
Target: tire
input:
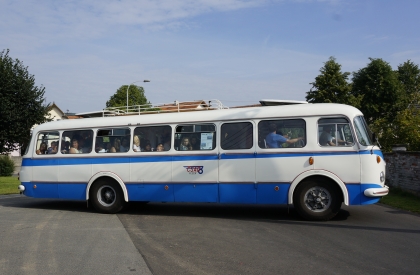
column 106, row 196
column 317, row 200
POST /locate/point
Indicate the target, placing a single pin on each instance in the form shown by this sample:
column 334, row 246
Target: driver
column 273, row 140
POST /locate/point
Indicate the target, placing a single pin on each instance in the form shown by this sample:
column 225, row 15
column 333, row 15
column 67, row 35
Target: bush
column 7, row 166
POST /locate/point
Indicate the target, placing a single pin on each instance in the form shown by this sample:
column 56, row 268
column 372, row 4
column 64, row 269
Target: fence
column 403, row 170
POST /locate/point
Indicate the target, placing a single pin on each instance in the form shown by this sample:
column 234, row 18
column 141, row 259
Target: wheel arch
column 112, row 175
column 317, row 174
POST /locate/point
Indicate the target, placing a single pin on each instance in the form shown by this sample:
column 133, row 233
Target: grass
column 9, row 185
column 401, row 199
column 396, row 198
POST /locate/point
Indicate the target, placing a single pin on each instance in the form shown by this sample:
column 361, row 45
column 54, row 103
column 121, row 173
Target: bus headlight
column 382, row 176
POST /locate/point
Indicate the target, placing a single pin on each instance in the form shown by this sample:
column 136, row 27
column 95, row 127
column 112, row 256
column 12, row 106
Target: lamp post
column 132, row 84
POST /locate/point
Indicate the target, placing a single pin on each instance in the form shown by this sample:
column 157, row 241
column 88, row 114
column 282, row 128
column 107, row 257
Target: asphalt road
column 62, row 237
column 58, row 237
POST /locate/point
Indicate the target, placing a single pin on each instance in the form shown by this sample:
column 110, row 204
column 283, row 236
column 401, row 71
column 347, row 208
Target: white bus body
column 226, row 168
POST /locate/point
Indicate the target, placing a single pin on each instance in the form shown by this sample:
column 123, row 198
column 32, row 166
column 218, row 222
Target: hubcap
column 317, row 199
column 106, row 195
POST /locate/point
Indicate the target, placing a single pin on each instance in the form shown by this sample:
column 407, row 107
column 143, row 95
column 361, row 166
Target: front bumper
column 376, row 192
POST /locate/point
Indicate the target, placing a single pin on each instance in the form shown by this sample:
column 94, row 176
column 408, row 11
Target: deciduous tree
column 136, row 96
column 331, row 86
column 22, row 103
column 380, row 90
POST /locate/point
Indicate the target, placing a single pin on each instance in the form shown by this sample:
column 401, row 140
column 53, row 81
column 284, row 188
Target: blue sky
column 238, row 51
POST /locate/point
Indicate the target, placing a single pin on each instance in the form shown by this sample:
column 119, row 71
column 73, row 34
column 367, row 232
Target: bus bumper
column 377, row 192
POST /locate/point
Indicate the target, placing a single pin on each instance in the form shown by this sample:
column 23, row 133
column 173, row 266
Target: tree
column 409, row 77
column 331, row 86
column 22, row 104
column 135, row 97
column 380, row 91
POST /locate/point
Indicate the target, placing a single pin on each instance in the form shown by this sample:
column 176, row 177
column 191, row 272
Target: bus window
column 195, row 137
column 80, row 141
column 152, row 138
column 113, row 140
column 362, row 131
column 47, row 143
column 282, row 133
column 236, row 136
column 334, row 132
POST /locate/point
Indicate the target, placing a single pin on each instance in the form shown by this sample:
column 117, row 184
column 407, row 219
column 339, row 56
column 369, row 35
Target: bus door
column 237, row 163
column 195, row 163
column 45, row 173
column 151, row 164
column 338, row 153
column 281, row 156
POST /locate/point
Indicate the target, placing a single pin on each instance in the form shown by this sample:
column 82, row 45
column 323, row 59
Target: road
column 49, row 236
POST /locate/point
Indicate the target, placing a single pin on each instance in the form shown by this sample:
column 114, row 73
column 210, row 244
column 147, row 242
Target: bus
column 314, row 157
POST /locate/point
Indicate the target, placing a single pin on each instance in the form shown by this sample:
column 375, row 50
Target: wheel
column 107, row 196
column 317, row 200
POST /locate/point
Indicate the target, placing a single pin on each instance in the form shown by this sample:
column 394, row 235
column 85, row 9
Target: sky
column 237, row 51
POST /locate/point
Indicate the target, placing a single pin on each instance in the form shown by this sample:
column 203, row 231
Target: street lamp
column 132, row 84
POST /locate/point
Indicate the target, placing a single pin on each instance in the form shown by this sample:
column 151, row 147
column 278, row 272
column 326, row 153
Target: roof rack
column 174, row 107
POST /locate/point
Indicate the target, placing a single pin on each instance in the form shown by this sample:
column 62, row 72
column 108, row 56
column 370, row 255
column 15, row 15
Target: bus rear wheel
column 107, row 196
column 317, row 200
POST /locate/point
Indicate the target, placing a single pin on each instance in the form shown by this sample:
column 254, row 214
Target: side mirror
column 374, row 138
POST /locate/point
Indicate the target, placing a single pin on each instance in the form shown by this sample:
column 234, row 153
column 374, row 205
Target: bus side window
column 236, row 136
column 282, row 133
column 195, row 137
column 152, row 138
column 47, row 143
column 81, row 141
column 334, row 132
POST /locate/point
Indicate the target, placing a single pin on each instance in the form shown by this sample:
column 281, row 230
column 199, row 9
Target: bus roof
column 246, row 113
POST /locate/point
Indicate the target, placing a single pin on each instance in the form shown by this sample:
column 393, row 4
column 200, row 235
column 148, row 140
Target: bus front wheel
column 317, row 200
column 107, row 196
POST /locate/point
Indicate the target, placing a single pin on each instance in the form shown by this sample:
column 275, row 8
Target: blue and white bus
column 312, row 156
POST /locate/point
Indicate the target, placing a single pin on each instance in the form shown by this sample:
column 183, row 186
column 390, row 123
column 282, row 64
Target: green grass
column 396, row 198
column 9, row 185
column 402, row 199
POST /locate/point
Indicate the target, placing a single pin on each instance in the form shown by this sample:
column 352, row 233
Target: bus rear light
column 378, row 159
column 311, row 160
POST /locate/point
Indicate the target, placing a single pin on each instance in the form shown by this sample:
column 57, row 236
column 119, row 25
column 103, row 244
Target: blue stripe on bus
column 261, row 193
column 161, row 158
column 356, row 195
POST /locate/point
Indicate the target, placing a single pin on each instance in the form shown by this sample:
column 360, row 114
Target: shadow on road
column 211, row 210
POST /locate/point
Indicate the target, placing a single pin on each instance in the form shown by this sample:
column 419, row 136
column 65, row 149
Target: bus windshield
column 362, row 131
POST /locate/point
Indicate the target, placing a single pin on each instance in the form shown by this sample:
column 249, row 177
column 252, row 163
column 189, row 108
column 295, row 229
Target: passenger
column 273, row 139
column 185, row 144
column 65, row 148
column 75, row 148
column 42, row 149
column 136, row 144
column 159, row 148
column 84, row 147
column 195, row 144
column 125, row 146
column 116, row 147
column 326, row 139
column 167, row 144
column 148, row 148
column 53, row 149
column 100, row 147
